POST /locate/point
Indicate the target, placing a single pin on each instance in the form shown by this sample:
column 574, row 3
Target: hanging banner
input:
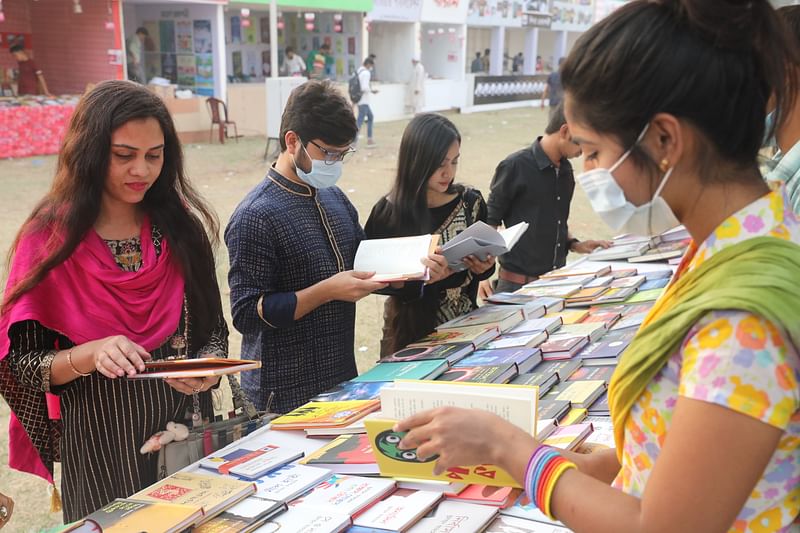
column 445, row 11
column 574, row 15
column 396, row 10
column 506, row 13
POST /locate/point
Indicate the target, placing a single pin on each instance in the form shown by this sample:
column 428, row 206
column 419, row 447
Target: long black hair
column 713, row 63
column 72, row 205
column 423, row 148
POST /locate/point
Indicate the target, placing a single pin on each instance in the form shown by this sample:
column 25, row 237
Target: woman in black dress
column 114, row 267
column 425, row 199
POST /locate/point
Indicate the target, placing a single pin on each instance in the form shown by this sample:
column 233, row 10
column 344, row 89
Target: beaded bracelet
column 545, row 467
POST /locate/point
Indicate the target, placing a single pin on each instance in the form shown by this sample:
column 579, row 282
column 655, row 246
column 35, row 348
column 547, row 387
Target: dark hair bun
column 731, row 24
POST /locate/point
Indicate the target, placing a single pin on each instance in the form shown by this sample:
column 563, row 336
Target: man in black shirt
column 535, row 185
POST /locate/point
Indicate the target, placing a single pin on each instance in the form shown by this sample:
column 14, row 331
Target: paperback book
column 524, row 358
column 383, row 372
column 347, row 454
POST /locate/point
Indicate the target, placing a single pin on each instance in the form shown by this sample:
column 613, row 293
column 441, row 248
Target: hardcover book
column 351, row 390
column 306, row 521
column 326, row 414
column 344, row 495
column 270, row 458
column 486, row 495
column 244, row 517
column 481, row 374
column 194, row 368
column 524, row 358
column 127, row 516
column 347, row 454
column 562, row 347
column 212, row 493
column 592, row 373
column 290, row 481
column 456, row 517
column 480, row 240
column 570, row 316
column 534, row 325
column 451, row 353
column 564, row 369
column 569, row 437
column 545, row 382
column 580, row 393
column 394, row 462
column 399, row 511
column 502, row 316
column 405, row 370
column 474, row 335
column 520, row 340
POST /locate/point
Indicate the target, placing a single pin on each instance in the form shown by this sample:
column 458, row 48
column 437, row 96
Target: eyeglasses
column 333, row 157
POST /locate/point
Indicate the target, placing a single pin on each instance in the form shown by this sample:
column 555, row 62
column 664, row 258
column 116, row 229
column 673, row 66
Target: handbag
column 205, row 439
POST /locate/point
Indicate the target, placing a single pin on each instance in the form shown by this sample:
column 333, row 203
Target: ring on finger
column 3, row 513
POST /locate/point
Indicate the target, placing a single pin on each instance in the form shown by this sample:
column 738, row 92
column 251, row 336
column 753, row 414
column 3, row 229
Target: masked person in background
column 705, row 401
column 291, row 243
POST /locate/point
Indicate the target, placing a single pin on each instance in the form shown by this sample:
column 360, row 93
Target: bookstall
column 333, row 463
column 34, row 125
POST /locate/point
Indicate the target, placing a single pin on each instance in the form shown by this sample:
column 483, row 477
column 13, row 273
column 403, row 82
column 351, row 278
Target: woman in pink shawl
column 114, row 267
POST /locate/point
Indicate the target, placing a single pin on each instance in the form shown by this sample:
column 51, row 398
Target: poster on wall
column 236, row 30
column 351, row 46
column 202, row 37
column 187, row 70
column 396, row 10
column 169, row 67
column 183, row 34
column 263, row 23
column 252, row 63
column 506, row 13
column 249, row 33
column 571, row 15
column 444, row 11
column 166, row 35
column 339, row 48
column 204, row 79
column 266, row 66
column 236, row 62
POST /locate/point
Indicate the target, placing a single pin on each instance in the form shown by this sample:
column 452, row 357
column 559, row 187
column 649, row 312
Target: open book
column 480, row 240
column 194, row 368
column 396, row 259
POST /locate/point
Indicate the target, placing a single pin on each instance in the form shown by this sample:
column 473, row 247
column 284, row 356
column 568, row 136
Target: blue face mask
column 322, row 175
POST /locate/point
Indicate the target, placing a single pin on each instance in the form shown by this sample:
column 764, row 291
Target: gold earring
column 664, row 165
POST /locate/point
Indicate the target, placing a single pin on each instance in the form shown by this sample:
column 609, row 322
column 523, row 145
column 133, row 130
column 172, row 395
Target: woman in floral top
column 667, row 100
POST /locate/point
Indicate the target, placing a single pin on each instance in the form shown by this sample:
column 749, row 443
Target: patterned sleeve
column 32, row 353
column 217, row 345
column 253, row 261
column 741, row 361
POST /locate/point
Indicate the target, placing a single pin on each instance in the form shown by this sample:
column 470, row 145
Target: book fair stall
column 71, row 44
column 543, row 357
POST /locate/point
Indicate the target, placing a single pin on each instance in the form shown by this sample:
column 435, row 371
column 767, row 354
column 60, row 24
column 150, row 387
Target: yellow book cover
column 394, row 462
column 581, row 393
column 326, row 414
column 128, row 515
column 570, row 317
column 574, row 416
column 212, row 493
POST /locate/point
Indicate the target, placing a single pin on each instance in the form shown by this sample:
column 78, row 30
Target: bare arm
column 43, row 84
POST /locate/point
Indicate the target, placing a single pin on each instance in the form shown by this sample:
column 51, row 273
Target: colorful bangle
column 69, row 362
column 544, row 469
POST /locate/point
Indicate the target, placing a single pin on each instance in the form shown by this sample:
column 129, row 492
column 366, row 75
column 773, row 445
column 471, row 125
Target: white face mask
column 609, row 201
column 322, row 175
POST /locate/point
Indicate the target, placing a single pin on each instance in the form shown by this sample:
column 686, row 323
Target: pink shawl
column 88, row 297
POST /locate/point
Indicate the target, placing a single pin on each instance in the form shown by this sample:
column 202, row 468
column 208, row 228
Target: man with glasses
column 535, row 185
column 291, row 243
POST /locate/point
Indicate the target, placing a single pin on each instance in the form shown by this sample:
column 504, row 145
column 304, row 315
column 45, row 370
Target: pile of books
column 541, row 358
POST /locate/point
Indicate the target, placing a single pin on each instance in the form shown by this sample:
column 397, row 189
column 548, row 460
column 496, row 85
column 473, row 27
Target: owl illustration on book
column 387, row 443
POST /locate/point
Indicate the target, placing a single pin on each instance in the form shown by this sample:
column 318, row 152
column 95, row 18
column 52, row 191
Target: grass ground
column 224, row 174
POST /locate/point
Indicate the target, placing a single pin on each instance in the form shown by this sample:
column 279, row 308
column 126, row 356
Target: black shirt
column 527, row 187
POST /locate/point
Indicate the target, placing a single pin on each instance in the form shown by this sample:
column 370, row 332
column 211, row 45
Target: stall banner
column 445, row 11
column 500, row 89
column 495, row 13
column 396, row 10
column 572, row 15
column 183, row 33
column 202, row 37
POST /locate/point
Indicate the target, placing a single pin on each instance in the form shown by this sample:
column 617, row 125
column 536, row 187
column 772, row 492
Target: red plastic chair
column 220, row 119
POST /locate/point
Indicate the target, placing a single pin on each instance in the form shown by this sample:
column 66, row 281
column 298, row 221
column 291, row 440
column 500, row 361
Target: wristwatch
column 571, row 242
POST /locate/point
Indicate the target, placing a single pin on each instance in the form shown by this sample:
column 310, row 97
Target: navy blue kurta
column 282, row 238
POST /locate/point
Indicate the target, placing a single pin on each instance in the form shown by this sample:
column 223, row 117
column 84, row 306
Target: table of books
column 333, row 465
column 33, row 125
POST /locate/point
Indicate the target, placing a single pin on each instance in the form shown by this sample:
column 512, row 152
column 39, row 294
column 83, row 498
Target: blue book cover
column 524, row 358
column 407, row 370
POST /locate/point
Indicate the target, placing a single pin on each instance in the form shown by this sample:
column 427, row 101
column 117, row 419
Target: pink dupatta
column 88, row 297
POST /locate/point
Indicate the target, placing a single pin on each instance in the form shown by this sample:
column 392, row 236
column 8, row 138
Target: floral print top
column 737, row 360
